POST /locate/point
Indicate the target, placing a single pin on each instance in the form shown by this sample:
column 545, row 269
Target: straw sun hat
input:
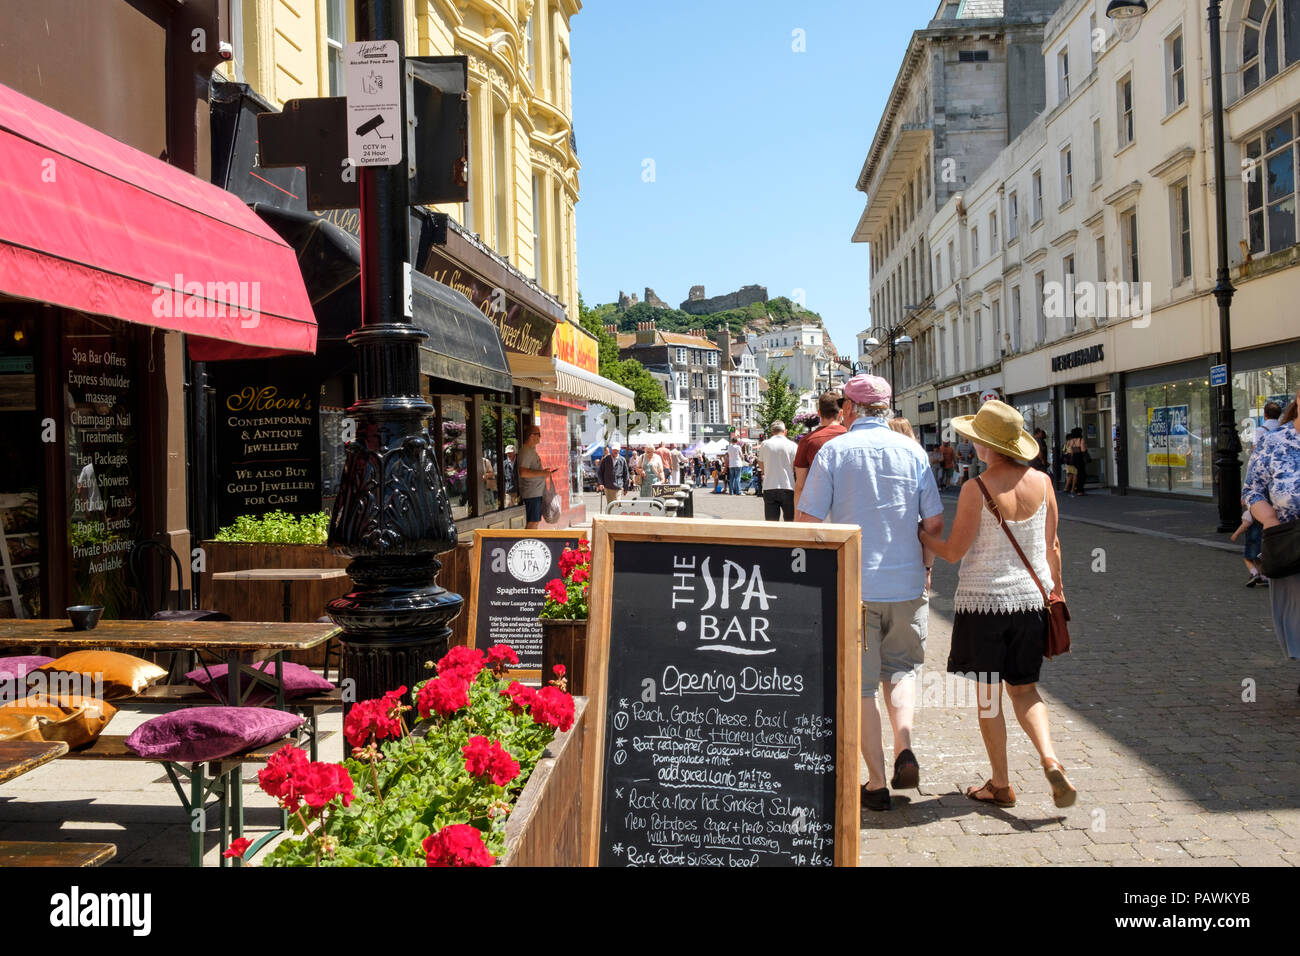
column 1000, row 427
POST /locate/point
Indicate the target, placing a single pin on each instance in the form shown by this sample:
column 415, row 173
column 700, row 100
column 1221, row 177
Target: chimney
column 611, row 330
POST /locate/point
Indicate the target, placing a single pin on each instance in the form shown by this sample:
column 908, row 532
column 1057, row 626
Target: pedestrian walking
column 1273, row 494
column 612, row 474
column 881, row 481
column 828, row 410
column 532, row 478
column 1000, row 622
column 650, row 471
column 903, row 427
column 948, row 457
column 675, row 458
column 1040, row 460
column 735, row 464
column 1251, row 546
column 776, row 458
column 1077, row 456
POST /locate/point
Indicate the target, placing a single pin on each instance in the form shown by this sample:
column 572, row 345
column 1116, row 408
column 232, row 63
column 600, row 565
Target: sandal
column 999, row 796
column 1063, row 792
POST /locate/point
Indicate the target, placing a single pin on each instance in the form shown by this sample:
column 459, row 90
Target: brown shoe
column 998, row 796
column 1063, row 792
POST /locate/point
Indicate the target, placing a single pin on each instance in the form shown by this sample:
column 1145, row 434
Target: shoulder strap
column 993, row 507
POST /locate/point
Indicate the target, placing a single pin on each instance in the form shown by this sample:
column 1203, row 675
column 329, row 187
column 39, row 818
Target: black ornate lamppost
column 897, row 339
column 1127, row 16
column 392, row 514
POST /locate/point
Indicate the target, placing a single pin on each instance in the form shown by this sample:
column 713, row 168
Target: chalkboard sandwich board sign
column 508, row 573
column 723, row 667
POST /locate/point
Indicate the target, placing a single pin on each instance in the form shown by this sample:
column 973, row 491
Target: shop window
column 102, row 464
column 21, row 475
column 450, row 434
column 1252, row 390
column 1171, row 434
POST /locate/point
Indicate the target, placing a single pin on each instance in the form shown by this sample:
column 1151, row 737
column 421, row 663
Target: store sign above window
column 575, row 346
column 1069, row 360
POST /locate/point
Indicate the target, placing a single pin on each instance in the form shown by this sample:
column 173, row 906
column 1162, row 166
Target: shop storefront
column 93, row 313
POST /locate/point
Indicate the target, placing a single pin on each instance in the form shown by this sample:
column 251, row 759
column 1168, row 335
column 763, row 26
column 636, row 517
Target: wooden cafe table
column 285, row 575
column 17, row 757
column 234, row 643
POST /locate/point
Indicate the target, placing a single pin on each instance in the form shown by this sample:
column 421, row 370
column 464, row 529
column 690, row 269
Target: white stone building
column 970, row 81
column 1085, row 255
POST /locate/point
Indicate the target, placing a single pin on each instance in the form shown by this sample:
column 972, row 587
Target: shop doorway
column 1097, row 433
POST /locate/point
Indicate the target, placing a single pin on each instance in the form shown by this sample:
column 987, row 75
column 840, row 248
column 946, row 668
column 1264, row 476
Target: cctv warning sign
column 374, row 103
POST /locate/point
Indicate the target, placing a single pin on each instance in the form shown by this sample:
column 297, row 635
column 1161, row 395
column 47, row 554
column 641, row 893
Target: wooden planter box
column 545, row 828
column 565, row 642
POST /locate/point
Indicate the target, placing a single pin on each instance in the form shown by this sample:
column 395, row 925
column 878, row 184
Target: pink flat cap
column 867, row 390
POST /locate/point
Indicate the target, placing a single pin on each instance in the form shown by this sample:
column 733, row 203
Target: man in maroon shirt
column 828, row 408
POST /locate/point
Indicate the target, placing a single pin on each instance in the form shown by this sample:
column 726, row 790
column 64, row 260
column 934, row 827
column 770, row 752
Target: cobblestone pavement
column 1175, row 715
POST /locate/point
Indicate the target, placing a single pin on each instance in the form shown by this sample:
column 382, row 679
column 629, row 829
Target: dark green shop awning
column 463, row 348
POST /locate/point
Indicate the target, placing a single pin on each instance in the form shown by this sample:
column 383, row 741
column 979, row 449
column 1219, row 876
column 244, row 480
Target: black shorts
column 533, row 510
column 998, row 647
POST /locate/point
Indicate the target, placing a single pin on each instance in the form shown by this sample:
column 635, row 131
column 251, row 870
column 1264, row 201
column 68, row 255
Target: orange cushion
column 14, row 726
column 71, row 718
column 123, row 675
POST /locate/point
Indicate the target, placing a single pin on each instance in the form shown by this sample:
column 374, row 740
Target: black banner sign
column 1069, row 360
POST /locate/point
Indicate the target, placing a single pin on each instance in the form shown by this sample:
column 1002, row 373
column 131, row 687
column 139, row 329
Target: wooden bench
column 221, row 779
column 21, row 853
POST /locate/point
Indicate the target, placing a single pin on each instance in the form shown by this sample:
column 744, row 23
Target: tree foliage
column 779, row 404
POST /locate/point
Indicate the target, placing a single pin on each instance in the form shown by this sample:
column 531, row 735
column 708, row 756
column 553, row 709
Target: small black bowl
column 84, row 617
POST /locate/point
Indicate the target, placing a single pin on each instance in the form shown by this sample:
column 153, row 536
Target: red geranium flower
column 559, row 670
column 381, row 718
column 457, row 845
column 238, row 848
column 324, row 782
column 521, row 696
column 553, row 706
column 581, row 575
column 500, row 656
column 484, row 758
column 284, row 775
column 556, row 591
column 464, row 662
column 446, row 695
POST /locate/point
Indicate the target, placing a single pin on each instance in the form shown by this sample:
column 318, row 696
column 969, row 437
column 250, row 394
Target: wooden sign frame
column 844, row 540
column 476, row 560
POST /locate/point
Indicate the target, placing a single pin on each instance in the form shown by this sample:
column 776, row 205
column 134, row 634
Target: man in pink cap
column 880, row 480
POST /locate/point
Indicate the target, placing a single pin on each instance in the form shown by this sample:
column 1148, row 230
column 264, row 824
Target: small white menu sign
column 374, row 103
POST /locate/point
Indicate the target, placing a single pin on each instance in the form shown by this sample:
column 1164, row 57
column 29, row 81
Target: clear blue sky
column 756, row 147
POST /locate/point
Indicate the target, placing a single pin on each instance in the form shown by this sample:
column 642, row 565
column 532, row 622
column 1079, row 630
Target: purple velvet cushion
column 299, row 681
column 13, row 667
column 209, row 733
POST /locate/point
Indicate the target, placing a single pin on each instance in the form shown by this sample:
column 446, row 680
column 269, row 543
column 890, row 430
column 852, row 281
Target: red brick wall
column 554, row 449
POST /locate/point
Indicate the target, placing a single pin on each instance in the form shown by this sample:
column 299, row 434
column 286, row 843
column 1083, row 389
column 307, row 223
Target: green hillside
column 756, row 317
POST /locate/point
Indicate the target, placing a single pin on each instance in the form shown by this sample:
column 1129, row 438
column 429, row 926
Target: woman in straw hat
column 1000, row 624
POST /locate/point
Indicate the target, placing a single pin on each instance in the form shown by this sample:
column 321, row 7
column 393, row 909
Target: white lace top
column 992, row 577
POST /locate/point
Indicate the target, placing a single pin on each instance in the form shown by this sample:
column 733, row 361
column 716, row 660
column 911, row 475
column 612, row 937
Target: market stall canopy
column 463, row 347
column 559, row 377
column 91, row 224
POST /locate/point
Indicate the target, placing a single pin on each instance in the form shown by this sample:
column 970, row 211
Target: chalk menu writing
column 512, row 576
column 268, row 446
column 103, row 467
column 720, row 714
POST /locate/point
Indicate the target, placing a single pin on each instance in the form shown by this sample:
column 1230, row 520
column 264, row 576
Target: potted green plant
column 564, row 617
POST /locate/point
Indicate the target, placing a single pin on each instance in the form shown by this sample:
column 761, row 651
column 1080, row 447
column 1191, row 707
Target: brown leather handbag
column 1057, row 639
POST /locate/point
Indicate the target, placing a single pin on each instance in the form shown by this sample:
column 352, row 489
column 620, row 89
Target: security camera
column 226, row 51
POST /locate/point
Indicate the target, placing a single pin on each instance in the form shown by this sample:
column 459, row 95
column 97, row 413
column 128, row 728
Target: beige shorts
column 893, row 641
